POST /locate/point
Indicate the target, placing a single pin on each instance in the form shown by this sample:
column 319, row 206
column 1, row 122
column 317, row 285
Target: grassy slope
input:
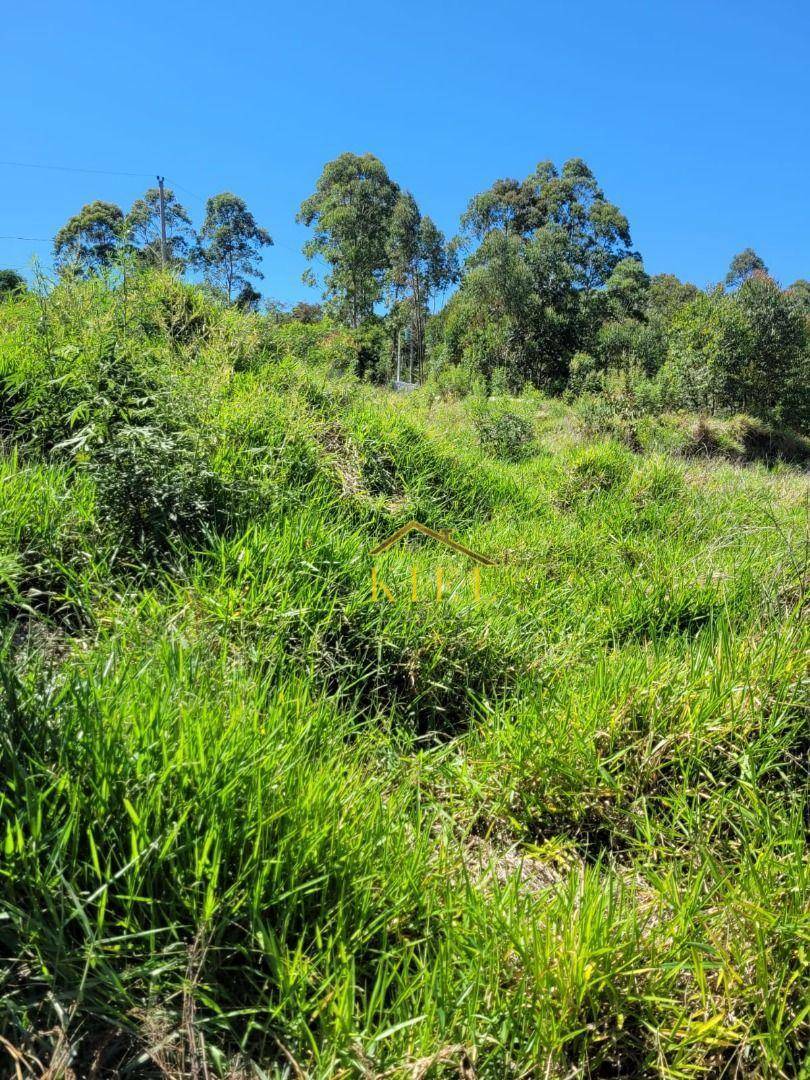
column 247, row 814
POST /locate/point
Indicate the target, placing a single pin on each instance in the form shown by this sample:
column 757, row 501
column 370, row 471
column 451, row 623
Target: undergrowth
column 549, row 821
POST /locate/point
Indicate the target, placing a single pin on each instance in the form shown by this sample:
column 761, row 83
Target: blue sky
column 695, row 117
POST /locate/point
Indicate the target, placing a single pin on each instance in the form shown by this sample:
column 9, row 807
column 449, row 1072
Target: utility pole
column 160, row 180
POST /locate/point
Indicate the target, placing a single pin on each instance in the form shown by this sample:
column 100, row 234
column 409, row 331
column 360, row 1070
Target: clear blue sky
column 695, row 116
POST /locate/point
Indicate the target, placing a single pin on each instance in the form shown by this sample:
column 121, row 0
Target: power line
column 109, row 172
column 276, row 243
column 187, row 191
column 33, row 239
column 71, row 168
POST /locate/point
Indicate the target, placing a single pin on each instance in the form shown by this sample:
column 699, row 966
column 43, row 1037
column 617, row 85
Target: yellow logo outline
column 442, row 537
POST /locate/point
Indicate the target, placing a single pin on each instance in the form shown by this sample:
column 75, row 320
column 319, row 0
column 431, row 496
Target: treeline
column 545, row 289
column 225, row 251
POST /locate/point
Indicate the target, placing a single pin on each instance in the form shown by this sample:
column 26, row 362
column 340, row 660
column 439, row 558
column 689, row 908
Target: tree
column 89, row 241
column 800, row 291
column 143, row 229
column 516, row 309
column 229, row 244
column 421, row 264
column 504, row 206
column 248, row 298
column 779, row 335
column 11, row 282
column 627, row 289
column 276, row 311
column 572, row 202
column 743, row 266
column 710, row 347
column 667, row 294
column 350, row 211
column 568, row 201
column 546, row 247
column 304, row 312
column 745, row 351
column 623, row 333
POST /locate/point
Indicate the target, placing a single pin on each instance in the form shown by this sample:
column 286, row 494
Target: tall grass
column 253, row 823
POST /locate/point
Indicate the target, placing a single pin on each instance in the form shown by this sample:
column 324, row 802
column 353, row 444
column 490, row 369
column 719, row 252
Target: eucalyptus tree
column 627, row 289
column 800, row 291
column 350, row 214
column 143, row 229
column 503, row 206
column 744, row 265
column 420, row 264
column 540, row 248
column 230, row 244
column 667, row 294
column 568, row 202
column 90, row 240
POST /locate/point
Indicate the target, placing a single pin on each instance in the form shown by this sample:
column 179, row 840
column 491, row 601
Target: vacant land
column 254, row 822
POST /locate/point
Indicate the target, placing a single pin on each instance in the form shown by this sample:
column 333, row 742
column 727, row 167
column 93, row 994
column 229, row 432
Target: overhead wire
column 70, row 168
column 111, row 172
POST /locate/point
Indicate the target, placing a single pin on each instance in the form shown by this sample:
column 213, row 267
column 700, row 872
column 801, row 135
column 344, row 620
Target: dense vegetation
column 254, row 823
column 545, row 290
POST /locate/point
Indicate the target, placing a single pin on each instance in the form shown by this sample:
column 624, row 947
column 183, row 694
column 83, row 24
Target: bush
column 456, row 381
column 505, row 434
column 155, row 487
column 710, row 345
column 623, row 398
column 583, row 374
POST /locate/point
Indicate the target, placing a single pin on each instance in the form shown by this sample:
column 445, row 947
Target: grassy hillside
column 254, row 823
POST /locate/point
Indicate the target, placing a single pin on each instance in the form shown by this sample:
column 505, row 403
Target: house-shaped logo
column 479, row 560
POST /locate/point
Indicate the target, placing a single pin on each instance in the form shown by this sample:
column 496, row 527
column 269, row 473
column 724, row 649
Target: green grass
column 254, row 824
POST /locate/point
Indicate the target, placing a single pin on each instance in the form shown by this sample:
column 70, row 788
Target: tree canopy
column 230, row 244
column 143, row 229
column 550, row 291
column 742, row 266
column 350, row 213
column 89, row 240
column 538, row 249
column 11, row 282
column 568, row 203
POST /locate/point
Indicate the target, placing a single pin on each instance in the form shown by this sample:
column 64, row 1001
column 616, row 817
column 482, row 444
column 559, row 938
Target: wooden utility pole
column 160, row 180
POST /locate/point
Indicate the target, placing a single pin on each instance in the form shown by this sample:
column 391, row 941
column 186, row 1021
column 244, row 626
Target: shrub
column 583, row 374
column 505, row 434
column 499, row 382
column 623, row 398
column 154, row 486
column 456, row 381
